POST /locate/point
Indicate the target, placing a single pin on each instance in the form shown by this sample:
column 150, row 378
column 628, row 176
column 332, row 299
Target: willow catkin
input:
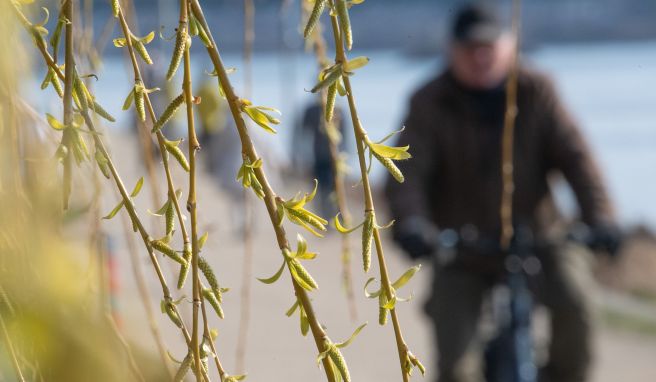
column 183, row 370
column 139, row 101
column 184, row 269
column 330, row 101
column 54, row 80
column 382, row 316
column 168, row 112
column 80, row 91
column 102, row 112
column 303, row 274
column 367, row 236
column 178, row 50
column 340, row 363
column 178, row 155
column 344, row 22
column 169, row 217
column 141, row 49
column 173, row 315
column 317, row 10
column 168, row 251
column 391, row 167
column 205, row 267
column 210, row 297
column 306, row 218
column 115, row 7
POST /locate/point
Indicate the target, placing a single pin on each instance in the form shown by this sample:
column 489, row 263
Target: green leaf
column 371, row 294
column 54, row 123
column 202, row 240
column 260, row 118
column 291, row 310
column 340, row 228
column 120, row 42
column 128, row 100
column 137, row 187
column 356, row 63
column 328, row 78
column 115, row 210
column 394, row 153
column 350, row 339
column 275, row 277
column 405, row 277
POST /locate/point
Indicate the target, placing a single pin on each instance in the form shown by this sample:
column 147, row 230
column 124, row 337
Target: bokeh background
column 600, row 53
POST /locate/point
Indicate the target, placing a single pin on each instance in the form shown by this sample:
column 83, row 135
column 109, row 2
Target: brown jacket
column 454, row 176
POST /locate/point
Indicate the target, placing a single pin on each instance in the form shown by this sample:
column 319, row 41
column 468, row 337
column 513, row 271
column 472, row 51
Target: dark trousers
column 565, row 287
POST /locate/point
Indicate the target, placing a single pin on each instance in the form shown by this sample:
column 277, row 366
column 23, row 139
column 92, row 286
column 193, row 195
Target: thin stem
column 191, row 199
column 207, row 334
column 338, row 174
column 68, row 99
column 12, row 351
column 249, row 151
column 128, row 351
column 507, row 150
column 142, row 288
column 360, row 137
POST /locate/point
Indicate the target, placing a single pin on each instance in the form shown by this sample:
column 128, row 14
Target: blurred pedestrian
column 316, row 157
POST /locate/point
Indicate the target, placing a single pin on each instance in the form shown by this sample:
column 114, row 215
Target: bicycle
column 510, row 355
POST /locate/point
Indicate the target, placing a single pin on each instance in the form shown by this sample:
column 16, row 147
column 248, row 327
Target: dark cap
column 477, row 22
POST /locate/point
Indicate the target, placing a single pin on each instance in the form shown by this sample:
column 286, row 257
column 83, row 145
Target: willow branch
column 248, row 150
column 507, row 151
column 360, row 137
column 338, row 173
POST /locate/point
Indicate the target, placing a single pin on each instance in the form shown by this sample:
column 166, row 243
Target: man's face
column 482, row 65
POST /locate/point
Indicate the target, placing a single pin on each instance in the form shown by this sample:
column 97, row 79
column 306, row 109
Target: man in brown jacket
column 454, row 128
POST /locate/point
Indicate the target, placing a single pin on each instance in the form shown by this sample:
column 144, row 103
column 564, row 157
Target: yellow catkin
column 340, row 363
column 178, row 50
column 382, row 316
column 309, row 219
column 210, row 297
column 141, row 49
column 168, row 112
column 57, row 85
column 204, row 266
column 330, row 101
column 183, row 370
column 367, row 236
column 169, row 216
column 184, row 269
column 168, row 251
column 317, row 10
column 139, row 101
column 344, row 23
column 303, row 274
column 102, row 112
column 178, row 155
column 79, row 89
column 173, row 315
column 115, row 7
column 391, row 167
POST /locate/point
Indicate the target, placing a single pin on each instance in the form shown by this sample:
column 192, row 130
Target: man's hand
column 607, row 238
column 417, row 236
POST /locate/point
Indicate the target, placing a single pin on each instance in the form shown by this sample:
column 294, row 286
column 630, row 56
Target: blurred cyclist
column 454, row 127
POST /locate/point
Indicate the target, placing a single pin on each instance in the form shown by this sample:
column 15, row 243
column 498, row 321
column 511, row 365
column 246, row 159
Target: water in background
column 609, row 88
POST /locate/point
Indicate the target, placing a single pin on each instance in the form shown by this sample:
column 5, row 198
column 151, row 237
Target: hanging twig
column 507, row 151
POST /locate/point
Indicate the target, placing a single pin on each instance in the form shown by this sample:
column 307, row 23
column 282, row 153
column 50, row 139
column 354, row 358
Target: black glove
column 607, row 238
column 417, row 236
